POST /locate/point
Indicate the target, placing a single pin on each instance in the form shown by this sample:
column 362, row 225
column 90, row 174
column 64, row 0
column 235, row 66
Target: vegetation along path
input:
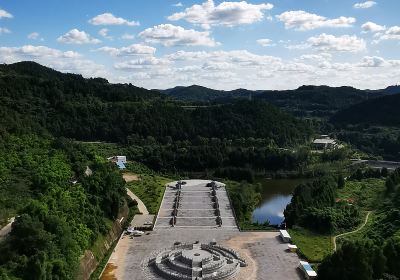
column 351, row 232
column 142, row 208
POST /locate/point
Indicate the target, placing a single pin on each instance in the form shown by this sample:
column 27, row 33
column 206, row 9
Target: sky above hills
column 224, row 45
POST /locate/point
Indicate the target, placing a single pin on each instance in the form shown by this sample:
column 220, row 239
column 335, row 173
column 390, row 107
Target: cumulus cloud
column 178, row 4
column 229, row 14
column 127, row 36
column 5, row 14
column 237, row 57
column 135, row 49
column 33, row 36
column 365, row 5
column 171, row 35
column 372, row 27
column 301, row 20
column 377, row 61
column 345, row 43
column 140, row 63
column 265, row 42
column 372, row 61
column 110, row 19
column 66, row 61
column 4, row 30
column 393, row 33
column 74, row 36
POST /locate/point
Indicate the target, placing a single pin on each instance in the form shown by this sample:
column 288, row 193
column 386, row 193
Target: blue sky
column 225, row 45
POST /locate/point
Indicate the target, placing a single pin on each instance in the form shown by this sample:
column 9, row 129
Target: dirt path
column 130, row 177
column 351, row 232
column 142, row 208
column 6, row 229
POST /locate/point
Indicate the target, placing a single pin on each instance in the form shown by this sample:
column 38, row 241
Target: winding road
column 351, row 232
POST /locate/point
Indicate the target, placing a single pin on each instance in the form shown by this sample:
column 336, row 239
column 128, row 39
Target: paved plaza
column 264, row 253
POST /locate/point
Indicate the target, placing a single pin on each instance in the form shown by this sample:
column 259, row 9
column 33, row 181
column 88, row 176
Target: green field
column 314, row 247
column 150, row 189
column 368, row 194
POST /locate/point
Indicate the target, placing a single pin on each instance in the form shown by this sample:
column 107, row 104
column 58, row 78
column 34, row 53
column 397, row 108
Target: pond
column 276, row 195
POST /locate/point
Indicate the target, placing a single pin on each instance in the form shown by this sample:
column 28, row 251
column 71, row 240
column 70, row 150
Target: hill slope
column 306, row 100
column 381, row 111
column 68, row 105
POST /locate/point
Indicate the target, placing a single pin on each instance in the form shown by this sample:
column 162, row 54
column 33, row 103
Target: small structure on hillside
column 120, row 161
column 325, row 143
column 88, row 171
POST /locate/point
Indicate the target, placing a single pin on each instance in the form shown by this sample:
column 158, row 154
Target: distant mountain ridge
column 305, row 100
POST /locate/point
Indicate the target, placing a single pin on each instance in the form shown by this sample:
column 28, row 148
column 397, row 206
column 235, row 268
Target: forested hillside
column 57, row 220
column 381, row 111
column 162, row 133
column 305, row 101
column 373, row 126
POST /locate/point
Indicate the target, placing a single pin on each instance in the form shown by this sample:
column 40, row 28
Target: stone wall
column 89, row 263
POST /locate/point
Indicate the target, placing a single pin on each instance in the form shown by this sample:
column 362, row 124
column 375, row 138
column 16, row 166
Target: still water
column 276, row 194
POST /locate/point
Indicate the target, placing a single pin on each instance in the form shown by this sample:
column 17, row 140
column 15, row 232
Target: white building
column 325, row 144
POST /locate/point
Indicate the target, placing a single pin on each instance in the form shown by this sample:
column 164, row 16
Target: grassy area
column 150, row 189
column 367, row 194
column 314, row 247
column 361, row 234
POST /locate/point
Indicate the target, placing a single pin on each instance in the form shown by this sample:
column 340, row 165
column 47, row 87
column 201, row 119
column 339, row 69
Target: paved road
column 6, row 229
column 142, row 208
column 351, row 232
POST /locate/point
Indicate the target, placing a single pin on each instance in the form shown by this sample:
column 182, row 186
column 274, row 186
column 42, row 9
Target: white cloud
column 110, row 19
column 33, row 36
column 372, row 27
column 178, row 4
column 301, row 20
column 5, row 14
column 66, row 61
column 343, row 43
column 4, row 30
column 140, row 63
column 393, row 33
column 171, row 35
column 217, row 66
column 241, row 58
column 372, row 61
column 74, row 36
column 365, row 5
column 265, row 42
column 229, row 14
column 127, row 36
column 104, row 33
column 377, row 61
column 135, row 49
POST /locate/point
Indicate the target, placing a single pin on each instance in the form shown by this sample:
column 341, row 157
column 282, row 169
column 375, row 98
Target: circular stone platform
column 196, row 261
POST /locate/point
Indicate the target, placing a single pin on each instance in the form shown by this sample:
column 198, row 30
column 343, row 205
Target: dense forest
column 380, row 111
column 162, row 133
column 320, row 101
column 376, row 255
column 56, row 219
column 372, row 126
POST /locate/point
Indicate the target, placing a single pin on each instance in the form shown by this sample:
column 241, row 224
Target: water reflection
column 276, row 195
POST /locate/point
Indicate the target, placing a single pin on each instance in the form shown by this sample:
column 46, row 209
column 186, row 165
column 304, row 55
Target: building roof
column 120, row 165
column 324, row 141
